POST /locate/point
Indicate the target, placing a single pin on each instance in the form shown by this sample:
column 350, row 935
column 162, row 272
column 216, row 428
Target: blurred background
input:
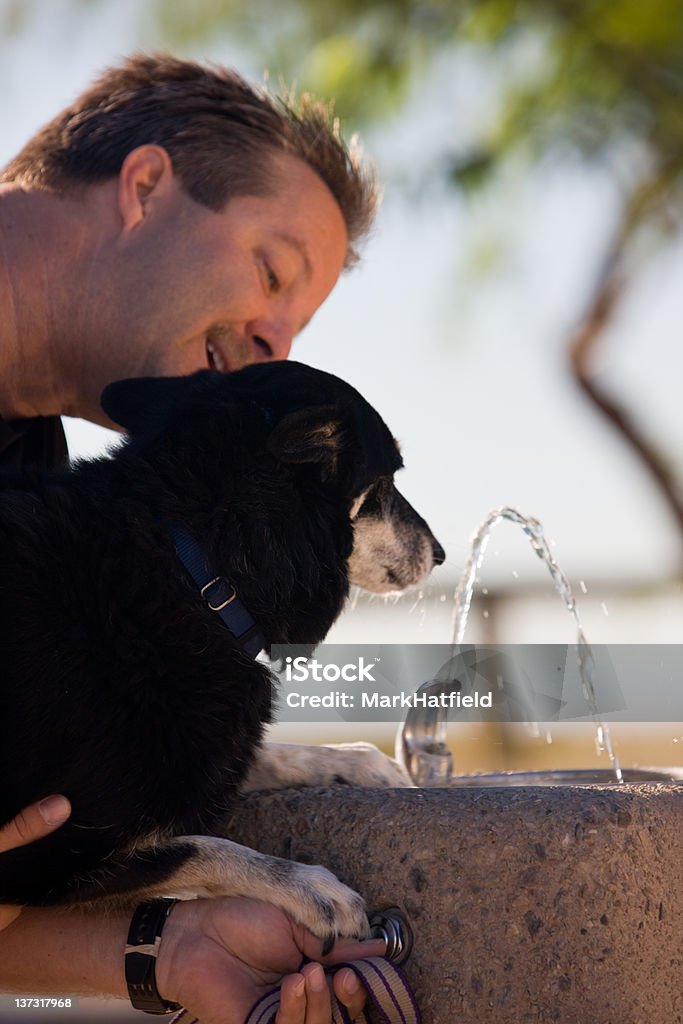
column 516, row 317
column 517, row 314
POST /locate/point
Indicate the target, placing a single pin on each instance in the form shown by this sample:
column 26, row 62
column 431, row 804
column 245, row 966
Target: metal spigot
column 421, row 741
column 392, row 926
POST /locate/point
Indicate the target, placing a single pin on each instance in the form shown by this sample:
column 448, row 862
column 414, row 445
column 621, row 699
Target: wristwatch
column 142, row 949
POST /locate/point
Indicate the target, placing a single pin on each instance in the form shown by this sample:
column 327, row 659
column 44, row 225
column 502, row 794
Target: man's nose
column 271, row 343
column 282, row 345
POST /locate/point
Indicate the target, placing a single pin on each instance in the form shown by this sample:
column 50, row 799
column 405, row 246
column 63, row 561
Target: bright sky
column 471, row 378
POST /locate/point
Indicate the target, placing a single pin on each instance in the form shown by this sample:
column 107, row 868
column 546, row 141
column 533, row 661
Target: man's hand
column 32, row 823
column 219, row 956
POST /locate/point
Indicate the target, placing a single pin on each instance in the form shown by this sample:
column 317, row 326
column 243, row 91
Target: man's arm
column 57, row 951
column 217, row 957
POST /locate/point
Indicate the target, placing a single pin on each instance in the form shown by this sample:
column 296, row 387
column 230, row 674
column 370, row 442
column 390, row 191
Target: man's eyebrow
column 297, row 244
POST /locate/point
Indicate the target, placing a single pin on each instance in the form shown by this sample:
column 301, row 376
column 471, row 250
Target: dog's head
column 316, row 431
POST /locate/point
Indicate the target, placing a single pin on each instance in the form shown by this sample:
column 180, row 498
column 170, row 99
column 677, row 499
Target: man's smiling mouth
column 242, row 351
column 215, row 358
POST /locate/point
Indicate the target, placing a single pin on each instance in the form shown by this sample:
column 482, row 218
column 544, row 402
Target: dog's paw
column 318, row 900
column 279, row 765
column 310, row 894
column 362, row 764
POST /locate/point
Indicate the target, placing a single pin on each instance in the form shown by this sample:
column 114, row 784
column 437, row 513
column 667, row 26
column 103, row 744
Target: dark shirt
column 37, row 443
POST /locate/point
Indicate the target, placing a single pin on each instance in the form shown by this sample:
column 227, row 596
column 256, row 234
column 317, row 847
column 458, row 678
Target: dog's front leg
column 310, row 894
column 280, row 765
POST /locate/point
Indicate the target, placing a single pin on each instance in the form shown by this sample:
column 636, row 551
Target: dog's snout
column 438, row 553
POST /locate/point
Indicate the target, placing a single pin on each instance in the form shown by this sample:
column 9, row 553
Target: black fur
column 119, row 688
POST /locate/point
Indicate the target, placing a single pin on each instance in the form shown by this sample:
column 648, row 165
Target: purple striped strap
column 388, row 992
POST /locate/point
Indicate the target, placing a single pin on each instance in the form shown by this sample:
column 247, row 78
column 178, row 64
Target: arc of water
column 463, row 601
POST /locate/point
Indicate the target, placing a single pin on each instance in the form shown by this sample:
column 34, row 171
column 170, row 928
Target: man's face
column 190, row 288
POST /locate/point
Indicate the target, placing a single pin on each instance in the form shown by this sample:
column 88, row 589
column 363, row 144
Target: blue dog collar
column 218, row 594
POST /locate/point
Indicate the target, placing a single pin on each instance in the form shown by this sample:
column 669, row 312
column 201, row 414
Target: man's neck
column 39, row 268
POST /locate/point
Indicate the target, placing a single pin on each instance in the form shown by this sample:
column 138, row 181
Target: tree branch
column 585, row 341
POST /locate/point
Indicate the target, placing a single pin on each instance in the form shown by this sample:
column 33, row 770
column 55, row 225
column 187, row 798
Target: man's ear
column 146, row 171
column 140, row 401
column 309, row 436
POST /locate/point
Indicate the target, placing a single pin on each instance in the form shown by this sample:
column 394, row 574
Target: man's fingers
column 349, row 991
column 318, row 1005
column 292, row 1009
column 34, row 822
column 305, row 998
column 348, row 949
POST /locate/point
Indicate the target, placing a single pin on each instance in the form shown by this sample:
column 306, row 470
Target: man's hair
column 219, row 131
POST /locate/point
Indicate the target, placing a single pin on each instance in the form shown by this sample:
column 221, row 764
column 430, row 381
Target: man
column 171, row 219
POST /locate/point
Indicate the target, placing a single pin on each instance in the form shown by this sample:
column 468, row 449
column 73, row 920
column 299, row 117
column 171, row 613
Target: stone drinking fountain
column 531, row 896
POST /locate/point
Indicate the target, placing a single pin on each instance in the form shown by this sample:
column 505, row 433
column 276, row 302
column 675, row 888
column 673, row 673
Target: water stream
column 463, row 600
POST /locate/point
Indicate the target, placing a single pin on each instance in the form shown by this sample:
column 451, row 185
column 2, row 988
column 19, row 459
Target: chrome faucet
column 421, row 741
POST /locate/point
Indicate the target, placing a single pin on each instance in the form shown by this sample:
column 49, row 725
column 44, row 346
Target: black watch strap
column 142, row 949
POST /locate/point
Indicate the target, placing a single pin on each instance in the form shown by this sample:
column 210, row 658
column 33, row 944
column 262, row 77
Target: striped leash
column 388, row 992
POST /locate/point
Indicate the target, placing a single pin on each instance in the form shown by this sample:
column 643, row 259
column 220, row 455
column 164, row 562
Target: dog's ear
column 141, row 401
column 309, row 436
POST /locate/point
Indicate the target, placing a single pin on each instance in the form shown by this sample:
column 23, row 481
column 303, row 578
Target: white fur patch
column 279, row 765
column 387, row 557
column 356, row 507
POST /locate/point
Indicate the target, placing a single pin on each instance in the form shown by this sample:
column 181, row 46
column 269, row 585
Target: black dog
column 257, row 497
